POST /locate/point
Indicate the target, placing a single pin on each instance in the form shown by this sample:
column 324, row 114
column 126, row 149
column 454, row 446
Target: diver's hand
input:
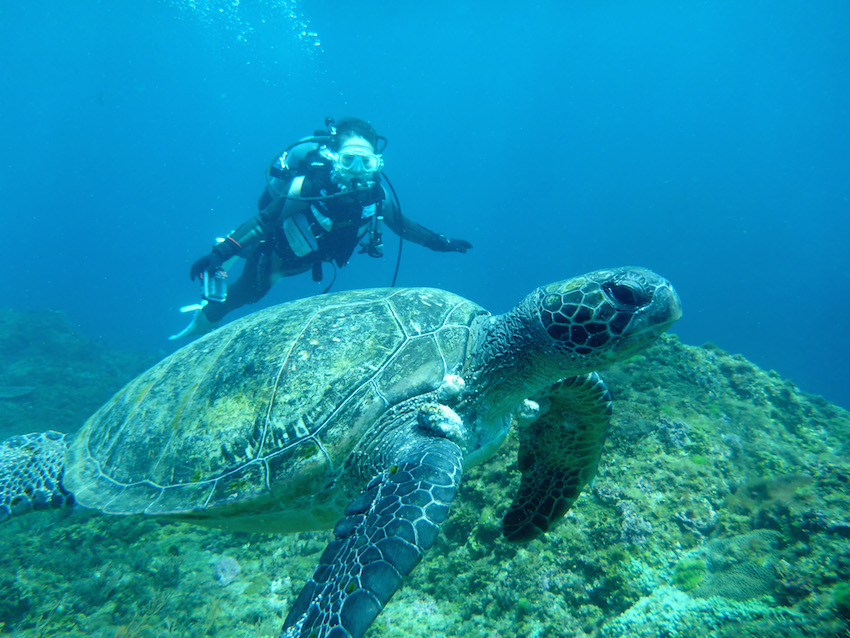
column 219, row 254
column 373, row 250
column 443, row 244
column 459, row 245
column 208, row 263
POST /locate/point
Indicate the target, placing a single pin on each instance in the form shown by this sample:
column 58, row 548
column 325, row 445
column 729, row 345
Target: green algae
column 688, row 573
column 841, row 598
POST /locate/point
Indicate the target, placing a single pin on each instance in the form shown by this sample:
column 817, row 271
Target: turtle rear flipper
column 31, row 469
column 383, row 536
column 558, row 455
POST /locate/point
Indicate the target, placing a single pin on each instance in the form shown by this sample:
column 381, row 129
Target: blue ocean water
column 708, row 140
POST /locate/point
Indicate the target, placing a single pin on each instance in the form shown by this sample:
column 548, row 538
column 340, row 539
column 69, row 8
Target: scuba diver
column 324, row 195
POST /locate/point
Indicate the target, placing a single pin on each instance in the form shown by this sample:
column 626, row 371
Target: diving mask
column 357, row 159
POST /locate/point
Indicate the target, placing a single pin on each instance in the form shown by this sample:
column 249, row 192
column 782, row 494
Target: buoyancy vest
column 329, row 229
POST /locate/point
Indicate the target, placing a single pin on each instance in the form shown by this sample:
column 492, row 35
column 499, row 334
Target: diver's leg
column 261, row 271
column 252, row 285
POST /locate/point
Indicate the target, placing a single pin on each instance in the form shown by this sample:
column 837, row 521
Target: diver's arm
column 259, row 228
column 402, row 226
column 417, row 233
column 246, row 236
column 262, row 226
column 250, row 234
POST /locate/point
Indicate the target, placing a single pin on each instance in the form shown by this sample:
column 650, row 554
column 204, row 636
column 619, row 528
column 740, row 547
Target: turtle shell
column 256, row 421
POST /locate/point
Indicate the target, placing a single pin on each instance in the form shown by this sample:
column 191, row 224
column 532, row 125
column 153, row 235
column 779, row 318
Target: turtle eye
column 628, row 294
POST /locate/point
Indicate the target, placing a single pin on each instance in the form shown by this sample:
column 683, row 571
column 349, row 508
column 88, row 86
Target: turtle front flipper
column 383, row 536
column 31, row 469
column 558, row 455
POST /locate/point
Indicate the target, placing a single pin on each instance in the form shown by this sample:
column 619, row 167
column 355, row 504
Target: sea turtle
column 360, row 409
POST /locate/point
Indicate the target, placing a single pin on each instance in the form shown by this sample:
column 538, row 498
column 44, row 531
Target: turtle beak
column 668, row 298
column 653, row 320
column 667, row 302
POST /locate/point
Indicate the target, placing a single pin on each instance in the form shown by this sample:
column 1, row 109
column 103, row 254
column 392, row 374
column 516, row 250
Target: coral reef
column 227, row 570
column 52, row 377
column 720, row 509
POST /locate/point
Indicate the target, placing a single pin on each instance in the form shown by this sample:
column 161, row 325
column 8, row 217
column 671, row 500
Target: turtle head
column 604, row 316
column 562, row 330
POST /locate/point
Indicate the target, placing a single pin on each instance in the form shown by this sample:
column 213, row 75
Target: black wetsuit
column 267, row 251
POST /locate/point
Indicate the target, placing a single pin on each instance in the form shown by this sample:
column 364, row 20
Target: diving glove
column 208, row 263
column 443, row 244
column 219, row 254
